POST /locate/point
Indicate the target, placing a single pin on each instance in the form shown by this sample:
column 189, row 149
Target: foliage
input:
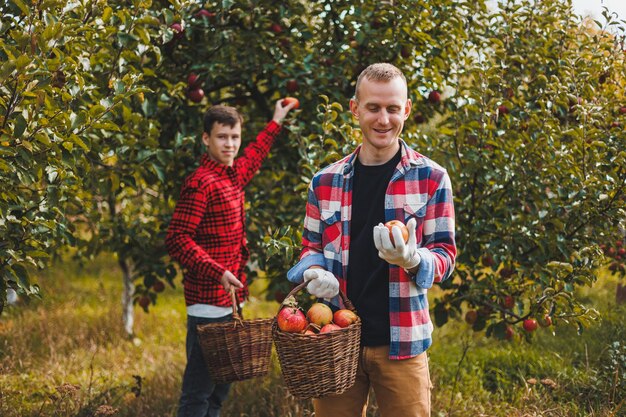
column 533, row 139
column 72, row 138
column 100, row 126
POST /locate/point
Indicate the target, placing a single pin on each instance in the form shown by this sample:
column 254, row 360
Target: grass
column 67, row 355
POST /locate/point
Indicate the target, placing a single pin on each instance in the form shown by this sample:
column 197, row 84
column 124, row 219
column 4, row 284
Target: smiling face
column 381, row 108
column 223, row 142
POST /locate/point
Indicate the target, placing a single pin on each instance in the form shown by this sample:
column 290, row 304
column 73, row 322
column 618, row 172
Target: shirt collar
column 408, row 158
column 215, row 166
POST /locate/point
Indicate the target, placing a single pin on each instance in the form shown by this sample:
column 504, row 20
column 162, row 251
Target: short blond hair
column 380, row 72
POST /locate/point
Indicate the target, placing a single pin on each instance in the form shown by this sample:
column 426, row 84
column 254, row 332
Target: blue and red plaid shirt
column 207, row 234
column 419, row 188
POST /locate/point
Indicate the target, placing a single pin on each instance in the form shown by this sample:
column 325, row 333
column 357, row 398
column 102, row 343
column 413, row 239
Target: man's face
column 381, row 109
column 223, row 142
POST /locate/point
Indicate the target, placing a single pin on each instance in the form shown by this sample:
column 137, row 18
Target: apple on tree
column 193, row 81
column 471, row 316
column 196, row 95
column 530, row 325
column 292, row 86
column 158, row 286
column 434, row 97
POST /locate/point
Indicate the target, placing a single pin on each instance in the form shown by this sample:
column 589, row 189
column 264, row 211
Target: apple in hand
column 405, row 231
column 288, row 100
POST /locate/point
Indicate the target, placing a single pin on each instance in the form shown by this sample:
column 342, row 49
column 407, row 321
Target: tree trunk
column 128, row 312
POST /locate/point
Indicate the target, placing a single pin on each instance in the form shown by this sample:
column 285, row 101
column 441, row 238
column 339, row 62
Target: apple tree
column 53, row 94
column 80, row 156
column 531, row 129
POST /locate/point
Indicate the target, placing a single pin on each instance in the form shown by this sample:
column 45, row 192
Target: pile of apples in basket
column 319, row 318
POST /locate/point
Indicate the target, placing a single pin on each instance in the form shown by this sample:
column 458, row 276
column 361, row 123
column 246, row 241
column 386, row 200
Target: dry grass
column 67, row 355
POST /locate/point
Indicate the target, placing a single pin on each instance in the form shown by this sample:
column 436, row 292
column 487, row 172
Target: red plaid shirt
column 207, row 234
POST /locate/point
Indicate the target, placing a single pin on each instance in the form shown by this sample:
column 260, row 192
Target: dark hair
column 380, row 72
column 225, row 115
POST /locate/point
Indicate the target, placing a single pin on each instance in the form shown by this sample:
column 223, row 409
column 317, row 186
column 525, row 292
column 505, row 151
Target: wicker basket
column 236, row 350
column 317, row 365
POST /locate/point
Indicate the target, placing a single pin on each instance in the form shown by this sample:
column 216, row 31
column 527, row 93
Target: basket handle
column 237, row 314
column 347, row 303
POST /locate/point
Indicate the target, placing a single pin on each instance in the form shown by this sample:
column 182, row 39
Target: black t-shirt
column 368, row 275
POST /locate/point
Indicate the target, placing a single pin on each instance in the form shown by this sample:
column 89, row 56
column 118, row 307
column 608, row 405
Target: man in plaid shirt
column 347, row 246
column 207, row 236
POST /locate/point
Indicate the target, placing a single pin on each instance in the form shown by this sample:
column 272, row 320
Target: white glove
column 322, row 284
column 402, row 254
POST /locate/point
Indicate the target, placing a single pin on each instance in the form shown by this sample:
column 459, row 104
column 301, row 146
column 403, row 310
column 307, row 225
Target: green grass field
column 67, row 355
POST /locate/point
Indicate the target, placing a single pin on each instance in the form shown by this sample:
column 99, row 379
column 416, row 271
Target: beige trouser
column 402, row 387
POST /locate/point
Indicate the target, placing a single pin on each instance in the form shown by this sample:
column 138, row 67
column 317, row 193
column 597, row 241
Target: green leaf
column 20, row 126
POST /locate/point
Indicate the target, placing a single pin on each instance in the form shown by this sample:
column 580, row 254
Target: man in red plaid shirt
column 346, row 245
column 207, row 236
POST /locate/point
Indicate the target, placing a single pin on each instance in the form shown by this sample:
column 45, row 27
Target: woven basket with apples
column 318, row 350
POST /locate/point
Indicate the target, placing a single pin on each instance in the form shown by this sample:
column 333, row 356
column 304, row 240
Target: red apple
column 471, row 316
column 403, row 229
column 276, row 28
column 144, row 301
column 502, row 109
column 291, row 320
column 329, row 328
column 434, row 97
column 344, row 317
column 178, row 30
column 487, row 260
column 195, row 95
column 530, row 325
column 622, row 110
column 193, row 81
column 419, row 118
column 507, row 272
column 292, row 86
column 158, row 286
column 509, row 302
column 509, row 333
column 546, row 321
column 203, row 13
column 288, row 100
column 319, row 314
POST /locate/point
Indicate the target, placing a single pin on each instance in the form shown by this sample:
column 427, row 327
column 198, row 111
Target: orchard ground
column 68, row 355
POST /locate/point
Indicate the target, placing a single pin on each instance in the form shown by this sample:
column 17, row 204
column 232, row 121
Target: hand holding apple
column 398, row 252
column 397, row 223
column 283, row 107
